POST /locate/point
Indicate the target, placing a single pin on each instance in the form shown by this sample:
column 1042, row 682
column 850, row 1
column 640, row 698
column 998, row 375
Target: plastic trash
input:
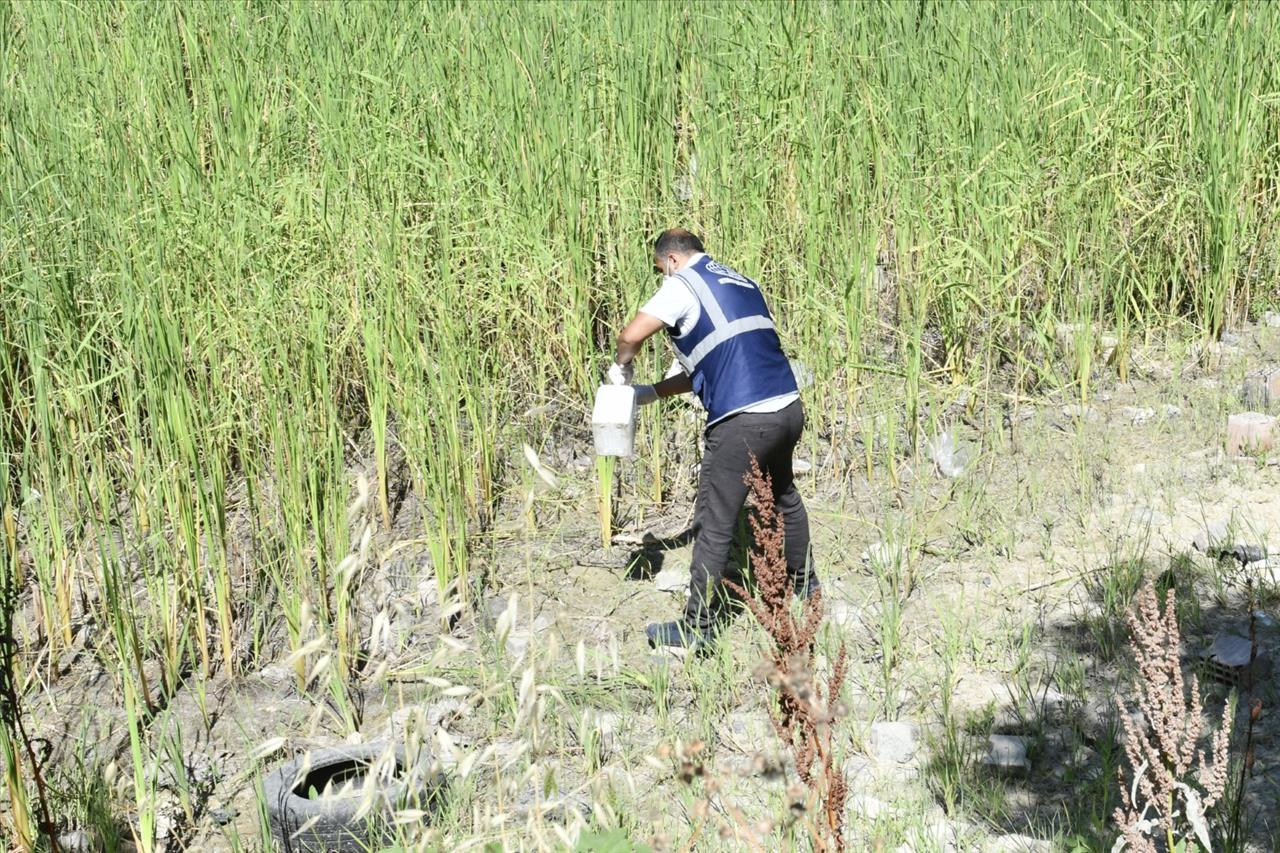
column 944, row 452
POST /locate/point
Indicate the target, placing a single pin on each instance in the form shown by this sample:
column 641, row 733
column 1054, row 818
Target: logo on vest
column 727, row 275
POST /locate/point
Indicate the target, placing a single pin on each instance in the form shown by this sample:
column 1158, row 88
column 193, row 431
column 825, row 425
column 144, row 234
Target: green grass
column 240, row 242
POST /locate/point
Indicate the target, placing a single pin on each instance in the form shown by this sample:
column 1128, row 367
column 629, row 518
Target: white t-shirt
column 676, row 306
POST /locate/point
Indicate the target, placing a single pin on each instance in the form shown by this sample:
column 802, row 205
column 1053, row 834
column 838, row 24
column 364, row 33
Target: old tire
column 330, row 825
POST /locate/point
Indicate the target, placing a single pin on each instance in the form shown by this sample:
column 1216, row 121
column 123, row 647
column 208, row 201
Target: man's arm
column 678, row 384
column 639, row 330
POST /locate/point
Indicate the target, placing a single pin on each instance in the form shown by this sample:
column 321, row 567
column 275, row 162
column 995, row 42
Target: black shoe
column 678, row 634
column 806, row 589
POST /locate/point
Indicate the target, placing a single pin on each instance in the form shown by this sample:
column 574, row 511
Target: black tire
column 334, row 827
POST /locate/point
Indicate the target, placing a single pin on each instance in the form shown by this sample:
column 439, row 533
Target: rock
column 801, row 467
column 518, row 640
column 164, row 826
column 1081, row 413
column 866, row 806
column 894, row 742
column 223, row 816
column 1170, row 411
column 607, row 726
column 1066, row 335
column 1137, row 416
column 750, row 731
column 1018, row 844
column 1271, row 319
column 1210, row 536
column 557, row 809
column 882, row 555
column 841, row 613
column 1215, row 540
column 1007, row 754
column 1146, row 517
column 1107, row 347
column 277, row 676
column 80, row 841
column 1261, row 389
column 939, row 835
column 672, row 580
column 494, row 607
column 1249, row 432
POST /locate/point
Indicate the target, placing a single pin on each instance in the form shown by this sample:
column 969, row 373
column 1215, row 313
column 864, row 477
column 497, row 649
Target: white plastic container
column 613, row 420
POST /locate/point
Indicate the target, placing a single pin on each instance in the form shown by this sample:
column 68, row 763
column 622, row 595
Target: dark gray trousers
column 722, row 492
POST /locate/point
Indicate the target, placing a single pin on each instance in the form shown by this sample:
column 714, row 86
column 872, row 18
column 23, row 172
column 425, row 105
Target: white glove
column 645, row 394
column 619, row 374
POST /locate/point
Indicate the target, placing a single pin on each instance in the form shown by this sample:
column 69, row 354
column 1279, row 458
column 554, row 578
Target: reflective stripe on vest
column 751, row 369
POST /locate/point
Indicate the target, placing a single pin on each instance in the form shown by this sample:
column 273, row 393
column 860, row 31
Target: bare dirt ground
column 985, row 604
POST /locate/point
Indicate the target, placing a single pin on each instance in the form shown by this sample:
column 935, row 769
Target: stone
column 163, row 827
column 1146, row 517
column 1261, row 389
column 1080, row 412
column 939, row 835
column 1007, row 754
column 223, row 816
column 79, row 841
column 1018, row 844
column 894, row 742
column 672, row 580
column 881, row 555
column 1066, row 335
column 841, row 613
column 1210, row 537
column 1107, row 347
column 866, row 806
column 1249, row 432
column 608, row 726
column 557, row 809
column 751, row 731
column 519, row 638
column 1138, row 415
column 277, row 676
column 1215, row 540
column 1170, row 411
column 1271, row 319
column 801, row 467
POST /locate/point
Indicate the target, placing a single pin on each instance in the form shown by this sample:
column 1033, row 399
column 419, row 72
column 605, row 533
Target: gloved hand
column 645, row 394
column 619, row 374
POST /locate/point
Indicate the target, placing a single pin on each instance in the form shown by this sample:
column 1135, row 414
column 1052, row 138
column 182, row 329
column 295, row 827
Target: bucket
column 613, row 420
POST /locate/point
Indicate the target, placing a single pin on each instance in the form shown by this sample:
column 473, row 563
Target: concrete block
column 1007, row 754
column 1249, row 432
column 1261, row 389
column 894, row 742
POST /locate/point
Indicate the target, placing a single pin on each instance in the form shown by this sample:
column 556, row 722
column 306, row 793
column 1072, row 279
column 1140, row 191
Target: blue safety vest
column 732, row 353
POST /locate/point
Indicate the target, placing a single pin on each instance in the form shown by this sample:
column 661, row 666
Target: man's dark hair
column 677, row 240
